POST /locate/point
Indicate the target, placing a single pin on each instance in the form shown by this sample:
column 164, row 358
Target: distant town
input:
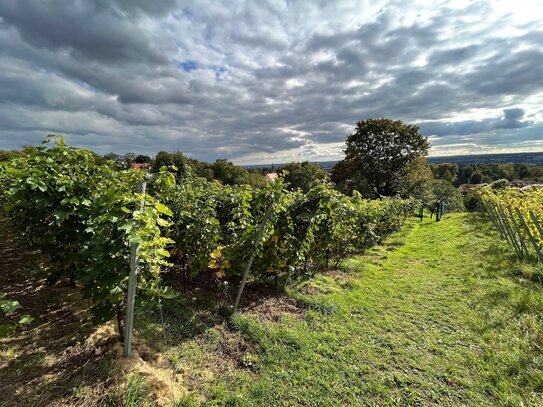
column 513, row 158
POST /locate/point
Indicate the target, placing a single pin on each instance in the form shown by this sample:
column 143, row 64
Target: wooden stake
column 492, row 217
column 509, row 231
column 529, row 233
column 517, row 229
column 536, row 223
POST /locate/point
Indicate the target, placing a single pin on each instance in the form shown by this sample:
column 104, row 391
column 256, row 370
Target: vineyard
column 518, row 216
column 256, row 296
column 86, row 217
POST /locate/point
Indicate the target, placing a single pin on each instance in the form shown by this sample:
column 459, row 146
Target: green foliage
column 378, row 153
column 166, row 159
column 230, row 174
column 519, row 210
column 446, row 171
column 85, row 216
column 221, row 170
column 215, row 227
column 417, row 180
column 142, row 159
column 492, row 172
column 301, row 175
column 134, row 391
column 476, row 178
column 499, row 184
column 6, row 155
column 9, row 310
column 188, row 400
column 444, row 191
column 472, row 201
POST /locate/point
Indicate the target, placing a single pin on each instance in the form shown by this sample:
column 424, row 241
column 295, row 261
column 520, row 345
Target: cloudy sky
column 262, row 82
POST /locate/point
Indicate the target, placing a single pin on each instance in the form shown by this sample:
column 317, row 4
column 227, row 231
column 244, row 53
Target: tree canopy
column 167, row 159
column 377, row 156
column 302, row 175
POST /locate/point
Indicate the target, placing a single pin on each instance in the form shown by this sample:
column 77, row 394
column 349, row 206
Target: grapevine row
column 518, row 216
column 84, row 216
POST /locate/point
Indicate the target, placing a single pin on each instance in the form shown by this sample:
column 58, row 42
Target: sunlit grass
column 442, row 314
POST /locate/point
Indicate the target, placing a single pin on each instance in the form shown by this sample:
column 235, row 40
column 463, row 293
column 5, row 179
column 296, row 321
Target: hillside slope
column 440, row 314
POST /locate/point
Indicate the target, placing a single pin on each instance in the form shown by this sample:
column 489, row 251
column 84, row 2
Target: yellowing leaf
column 162, row 222
column 220, row 274
column 163, row 209
column 216, row 254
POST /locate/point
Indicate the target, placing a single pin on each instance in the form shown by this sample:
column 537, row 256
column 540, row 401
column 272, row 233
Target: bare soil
column 47, row 362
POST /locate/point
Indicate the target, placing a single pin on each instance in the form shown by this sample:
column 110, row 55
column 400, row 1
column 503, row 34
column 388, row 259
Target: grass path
column 439, row 315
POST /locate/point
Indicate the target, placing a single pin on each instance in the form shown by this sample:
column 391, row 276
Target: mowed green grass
column 441, row 314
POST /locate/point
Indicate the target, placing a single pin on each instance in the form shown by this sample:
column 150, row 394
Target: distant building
column 140, row 166
column 271, row 177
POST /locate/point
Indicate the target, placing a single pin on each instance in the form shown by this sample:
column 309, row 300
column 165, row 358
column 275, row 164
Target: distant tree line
column 383, row 158
column 486, row 173
column 221, row 170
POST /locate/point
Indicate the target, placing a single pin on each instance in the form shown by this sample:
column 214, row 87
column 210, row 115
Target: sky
column 270, row 81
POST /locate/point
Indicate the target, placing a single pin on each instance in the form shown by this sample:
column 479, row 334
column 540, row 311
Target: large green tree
column 228, row 173
column 166, row 159
column 378, row 153
column 417, row 180
column 302, row 175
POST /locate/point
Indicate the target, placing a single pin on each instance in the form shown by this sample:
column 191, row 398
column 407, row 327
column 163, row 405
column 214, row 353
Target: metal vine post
column 132, row 283
column 267, row 216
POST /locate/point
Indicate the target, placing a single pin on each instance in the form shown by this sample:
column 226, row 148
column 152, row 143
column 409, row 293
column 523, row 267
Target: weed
column 134, row 390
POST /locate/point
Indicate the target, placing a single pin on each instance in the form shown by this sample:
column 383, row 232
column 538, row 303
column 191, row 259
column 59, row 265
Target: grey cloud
column 83, row 28
column 453, row 56
column 140, row 7
column 511, row 119
column 507, row 73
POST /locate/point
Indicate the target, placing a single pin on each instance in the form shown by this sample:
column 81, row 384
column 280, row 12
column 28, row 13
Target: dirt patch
column 257, row 298
column 274, row 308
column 238, row 350
column 160, row 386
column 312, row 287
column 46, row 362
column 338, row 275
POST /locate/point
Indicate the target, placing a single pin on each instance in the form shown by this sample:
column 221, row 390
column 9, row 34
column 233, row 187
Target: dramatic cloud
column 269, row 81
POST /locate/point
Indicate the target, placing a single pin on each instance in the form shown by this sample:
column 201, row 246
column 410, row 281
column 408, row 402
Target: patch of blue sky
column 188, row 65
column 188, row 14
column 219, row 71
